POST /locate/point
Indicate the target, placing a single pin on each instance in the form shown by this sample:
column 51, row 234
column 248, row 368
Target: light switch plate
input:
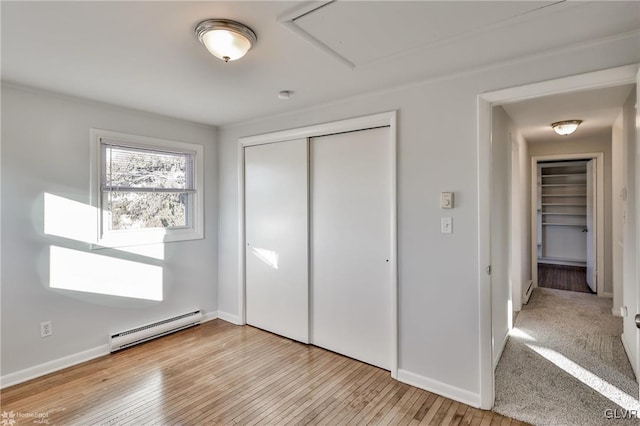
column 446, row 200
column 446, row 225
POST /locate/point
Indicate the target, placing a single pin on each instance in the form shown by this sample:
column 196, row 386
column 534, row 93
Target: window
column 146, row 190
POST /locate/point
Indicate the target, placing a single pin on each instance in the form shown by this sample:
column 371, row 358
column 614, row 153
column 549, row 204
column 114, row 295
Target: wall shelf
column 562, row 211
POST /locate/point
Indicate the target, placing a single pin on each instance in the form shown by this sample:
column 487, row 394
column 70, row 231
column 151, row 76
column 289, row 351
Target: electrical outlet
column 45, row 329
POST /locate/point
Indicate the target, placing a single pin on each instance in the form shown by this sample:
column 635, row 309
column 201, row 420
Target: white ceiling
column 144, row 55
column 597, row 109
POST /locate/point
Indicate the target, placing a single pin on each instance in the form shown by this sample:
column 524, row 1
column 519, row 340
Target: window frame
column 129, row 237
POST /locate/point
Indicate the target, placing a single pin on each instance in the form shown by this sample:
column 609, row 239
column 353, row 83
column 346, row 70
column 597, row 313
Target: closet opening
column 567, row 221
column 565, row 225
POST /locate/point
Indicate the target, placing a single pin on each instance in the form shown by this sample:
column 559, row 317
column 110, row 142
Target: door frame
column 388, row 118
column 599, row 260
column 486, row 101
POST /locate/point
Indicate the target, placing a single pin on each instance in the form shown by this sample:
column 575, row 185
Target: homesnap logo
column 8, row 419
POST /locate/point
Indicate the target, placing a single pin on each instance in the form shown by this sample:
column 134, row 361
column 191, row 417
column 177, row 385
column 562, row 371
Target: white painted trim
column 323, row 129
column 485, row 331
column 598, row 79
column 77, row 358
column 588, row 81
column 498, row 353
column 209, row 316
column 394, row 245
column 625, row 345
column 233, row 319
column 242, row 315
column 388, row 118
column 599, row 157
column 437, row 387
column 606, row 294
column 636, row 359
column 106, row 238
column 52, row 366
column 534, row 223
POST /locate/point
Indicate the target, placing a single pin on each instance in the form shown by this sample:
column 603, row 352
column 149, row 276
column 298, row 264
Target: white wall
column 437, row 151
column 45, row 150
column 617, row 184
column 501, row 137
column 521, row 217
column 629, row 208
column 595, row 143
column 510, row 225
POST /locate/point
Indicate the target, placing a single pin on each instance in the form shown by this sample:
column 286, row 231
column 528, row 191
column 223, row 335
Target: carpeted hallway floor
column 564, row 363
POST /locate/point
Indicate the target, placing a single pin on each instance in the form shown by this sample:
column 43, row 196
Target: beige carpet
column 564, row 364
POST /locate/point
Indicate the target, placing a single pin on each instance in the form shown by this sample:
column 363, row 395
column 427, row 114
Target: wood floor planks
column 218, row 373
column 561, row 277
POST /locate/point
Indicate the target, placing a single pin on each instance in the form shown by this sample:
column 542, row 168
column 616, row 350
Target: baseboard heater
column 527, row 294
column 135, row 336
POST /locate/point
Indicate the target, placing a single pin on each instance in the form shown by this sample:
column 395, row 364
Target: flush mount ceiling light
column 226, row 39
column 565, row 127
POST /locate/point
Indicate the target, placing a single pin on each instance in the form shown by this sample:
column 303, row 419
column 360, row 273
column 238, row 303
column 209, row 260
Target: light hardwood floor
column 218, row 373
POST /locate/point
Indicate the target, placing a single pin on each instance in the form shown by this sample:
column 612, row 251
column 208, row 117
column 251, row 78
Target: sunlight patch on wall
column 69, row 219
column 94, row 273
column 78, row 221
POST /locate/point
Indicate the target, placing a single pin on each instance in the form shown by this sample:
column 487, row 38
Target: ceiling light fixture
column 565, row 127
column 226, row 39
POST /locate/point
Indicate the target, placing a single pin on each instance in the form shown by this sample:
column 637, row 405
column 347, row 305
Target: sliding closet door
column 351, row 190
column 276, row 220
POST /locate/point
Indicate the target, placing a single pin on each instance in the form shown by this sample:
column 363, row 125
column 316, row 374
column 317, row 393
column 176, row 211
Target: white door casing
column 604, row 78
column 592, row 278
column 637, row 220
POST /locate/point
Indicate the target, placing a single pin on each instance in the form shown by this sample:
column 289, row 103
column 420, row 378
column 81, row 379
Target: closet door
column 351, row 193
column 276, row 221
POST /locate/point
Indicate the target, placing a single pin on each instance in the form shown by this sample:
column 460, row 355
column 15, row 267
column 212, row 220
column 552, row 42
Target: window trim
column 121, row 238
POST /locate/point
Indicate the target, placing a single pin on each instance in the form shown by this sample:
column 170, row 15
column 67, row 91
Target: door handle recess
column 637, row 320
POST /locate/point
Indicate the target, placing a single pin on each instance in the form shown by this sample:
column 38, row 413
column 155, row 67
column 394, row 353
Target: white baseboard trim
column 233, row 319
column 616, row 311
column 68, row 361
column 498, row 353
column 606, row 294
column 209, row 316
column 51, row 366
column 431, row 385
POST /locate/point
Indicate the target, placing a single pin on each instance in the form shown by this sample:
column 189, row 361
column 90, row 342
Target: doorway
column 567, row 222
column 489, row 341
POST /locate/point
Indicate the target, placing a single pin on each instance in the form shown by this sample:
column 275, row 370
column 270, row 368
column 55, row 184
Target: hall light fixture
column 226, row 39
column 565, row 127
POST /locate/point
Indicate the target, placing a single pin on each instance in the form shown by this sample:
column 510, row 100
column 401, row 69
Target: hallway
column 564, row 363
